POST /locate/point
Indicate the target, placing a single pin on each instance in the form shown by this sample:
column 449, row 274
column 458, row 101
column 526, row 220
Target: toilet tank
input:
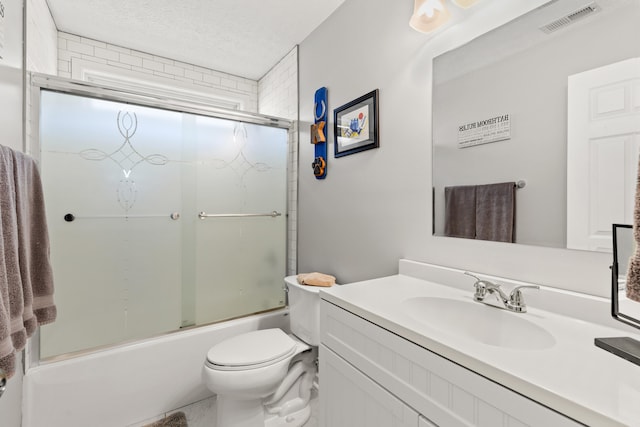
column 304, row 310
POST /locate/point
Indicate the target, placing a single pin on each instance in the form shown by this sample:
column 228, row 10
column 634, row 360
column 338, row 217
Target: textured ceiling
column 241, row 37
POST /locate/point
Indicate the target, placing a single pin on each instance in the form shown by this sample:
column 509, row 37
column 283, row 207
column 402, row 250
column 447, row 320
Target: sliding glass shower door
column 158, row 219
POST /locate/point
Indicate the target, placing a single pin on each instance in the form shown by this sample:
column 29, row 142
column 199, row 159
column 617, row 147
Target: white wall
column 41, row 53
column 11, row 74
column 11, row 401
column 278, row 96
column 375, row 206
column 42, row 35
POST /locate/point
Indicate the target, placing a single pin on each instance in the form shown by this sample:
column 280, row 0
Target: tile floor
column 203, row 413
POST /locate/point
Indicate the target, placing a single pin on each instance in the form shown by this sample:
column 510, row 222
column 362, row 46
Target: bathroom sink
column 480, row 322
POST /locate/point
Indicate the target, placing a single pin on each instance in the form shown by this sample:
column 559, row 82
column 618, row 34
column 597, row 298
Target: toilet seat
column 251, row 350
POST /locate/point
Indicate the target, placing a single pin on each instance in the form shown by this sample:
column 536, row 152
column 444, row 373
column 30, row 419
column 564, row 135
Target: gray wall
column 531, row 86
column 358, row 221
column 375, row 207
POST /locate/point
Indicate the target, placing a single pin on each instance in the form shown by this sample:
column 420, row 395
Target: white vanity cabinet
column 352, row 399
column 372, row 377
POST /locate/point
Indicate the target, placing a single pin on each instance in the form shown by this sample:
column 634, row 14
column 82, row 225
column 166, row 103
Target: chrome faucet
column 484, row 287
column 514, row 302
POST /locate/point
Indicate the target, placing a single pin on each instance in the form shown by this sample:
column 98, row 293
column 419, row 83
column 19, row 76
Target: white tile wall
column 278, row 96
column 72, row 47
column 42, row 55
column 278, row 89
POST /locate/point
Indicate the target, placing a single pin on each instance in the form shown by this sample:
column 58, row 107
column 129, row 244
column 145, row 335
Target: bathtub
column 129, row 383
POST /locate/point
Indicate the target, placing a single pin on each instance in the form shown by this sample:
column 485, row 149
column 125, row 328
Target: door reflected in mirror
column 567, row 77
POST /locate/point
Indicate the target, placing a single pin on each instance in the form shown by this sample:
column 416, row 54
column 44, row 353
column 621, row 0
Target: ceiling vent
column 584, row 11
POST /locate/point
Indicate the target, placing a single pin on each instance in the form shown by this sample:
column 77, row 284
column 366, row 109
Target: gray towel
column 26, row 280
column 460, row 211
column 12, row 331
column 633, row 274
column 33, row 240
column 495, row 212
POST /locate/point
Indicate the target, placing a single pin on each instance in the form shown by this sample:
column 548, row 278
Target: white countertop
column 574, row 377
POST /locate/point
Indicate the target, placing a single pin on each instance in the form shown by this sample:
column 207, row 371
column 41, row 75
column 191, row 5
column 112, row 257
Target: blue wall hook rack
column 319, row 133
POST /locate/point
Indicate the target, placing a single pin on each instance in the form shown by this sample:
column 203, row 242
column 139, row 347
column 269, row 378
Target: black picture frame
column 355, row 125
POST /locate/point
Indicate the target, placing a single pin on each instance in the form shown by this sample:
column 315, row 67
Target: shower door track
column 115, row 93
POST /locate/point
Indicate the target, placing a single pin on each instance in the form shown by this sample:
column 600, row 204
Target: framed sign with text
column 493, row 129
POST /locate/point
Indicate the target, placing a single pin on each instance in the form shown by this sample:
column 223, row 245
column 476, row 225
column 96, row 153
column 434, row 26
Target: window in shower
column 157, row 219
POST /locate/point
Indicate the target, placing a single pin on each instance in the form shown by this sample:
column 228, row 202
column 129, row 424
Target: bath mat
column 177, row 419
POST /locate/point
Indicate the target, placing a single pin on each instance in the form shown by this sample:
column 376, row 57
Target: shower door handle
column 71, row 217
column 272, row 214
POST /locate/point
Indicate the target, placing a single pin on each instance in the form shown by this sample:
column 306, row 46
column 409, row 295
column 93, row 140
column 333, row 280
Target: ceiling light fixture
column 428, row 15
column 465, row 3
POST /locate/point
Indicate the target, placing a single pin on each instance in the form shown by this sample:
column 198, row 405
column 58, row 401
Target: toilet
column 264, row 378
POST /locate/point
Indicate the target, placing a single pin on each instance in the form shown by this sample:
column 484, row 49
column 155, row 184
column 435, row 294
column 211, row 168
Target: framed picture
column 355, row 125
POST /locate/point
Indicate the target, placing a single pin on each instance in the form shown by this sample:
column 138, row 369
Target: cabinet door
column 350, row 399
column 446, row 393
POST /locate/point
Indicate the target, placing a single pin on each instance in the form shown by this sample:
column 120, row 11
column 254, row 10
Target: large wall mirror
column 550, row 100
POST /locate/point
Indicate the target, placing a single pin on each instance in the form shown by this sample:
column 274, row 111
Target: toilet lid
column 252, row 348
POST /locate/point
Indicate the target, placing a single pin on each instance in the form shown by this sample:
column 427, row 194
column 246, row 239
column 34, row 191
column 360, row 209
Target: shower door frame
column 112, row 92
column 121, row 94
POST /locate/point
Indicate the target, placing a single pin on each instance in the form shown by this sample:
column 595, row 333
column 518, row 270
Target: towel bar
column 71, row 217
column 203, row 215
